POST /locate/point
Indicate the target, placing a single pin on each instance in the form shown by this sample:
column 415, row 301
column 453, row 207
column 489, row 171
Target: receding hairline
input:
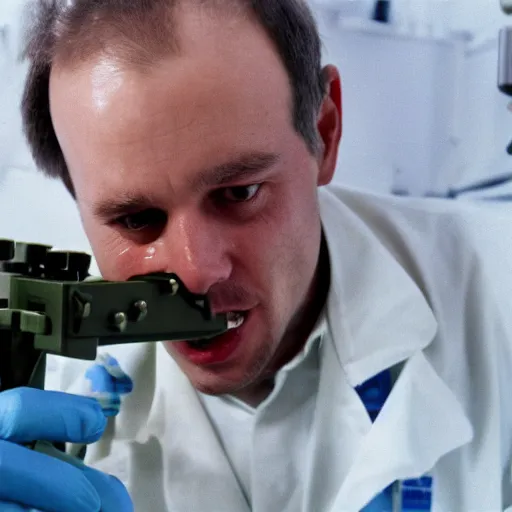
column 132, row 38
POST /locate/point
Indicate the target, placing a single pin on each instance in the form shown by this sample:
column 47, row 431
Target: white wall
column 9, row 9
column 400, row 106
column 37, row 209
column 479, row 15
column 32, row 207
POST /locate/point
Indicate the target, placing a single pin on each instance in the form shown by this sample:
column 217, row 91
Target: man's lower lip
column 219, row 351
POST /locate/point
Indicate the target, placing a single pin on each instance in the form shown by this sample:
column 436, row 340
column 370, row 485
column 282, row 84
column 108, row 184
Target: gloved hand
column 31, row 480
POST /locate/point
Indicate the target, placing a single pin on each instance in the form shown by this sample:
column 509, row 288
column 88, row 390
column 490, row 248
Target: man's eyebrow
column 122, row 205
column 245, row 166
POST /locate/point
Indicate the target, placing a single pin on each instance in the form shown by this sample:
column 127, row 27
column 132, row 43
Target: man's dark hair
column 142, row 31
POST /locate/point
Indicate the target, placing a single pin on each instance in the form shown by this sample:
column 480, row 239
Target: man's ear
column 329, row 125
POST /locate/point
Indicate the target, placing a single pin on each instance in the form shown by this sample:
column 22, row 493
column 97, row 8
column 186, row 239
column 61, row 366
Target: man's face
column 192, row 166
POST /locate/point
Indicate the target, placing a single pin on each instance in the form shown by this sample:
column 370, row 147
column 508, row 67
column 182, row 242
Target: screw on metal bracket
column 138, row 311
column 81, row 309
column 174, row 286
column 120, row 321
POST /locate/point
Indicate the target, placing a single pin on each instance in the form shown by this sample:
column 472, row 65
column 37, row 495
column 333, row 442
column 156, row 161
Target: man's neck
column 298, row 332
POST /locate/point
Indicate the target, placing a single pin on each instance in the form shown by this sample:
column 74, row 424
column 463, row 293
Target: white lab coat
column 423, row 283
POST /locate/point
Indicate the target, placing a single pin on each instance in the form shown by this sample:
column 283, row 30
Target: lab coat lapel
column 377, row 314
column 378, row 317
column 421, row 421
column 340, row 423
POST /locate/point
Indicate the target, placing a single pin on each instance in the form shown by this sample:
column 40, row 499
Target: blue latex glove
column 34, row 481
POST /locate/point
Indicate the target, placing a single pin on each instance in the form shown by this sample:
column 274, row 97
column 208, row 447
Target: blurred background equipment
column 506, row 5
column 486, row 188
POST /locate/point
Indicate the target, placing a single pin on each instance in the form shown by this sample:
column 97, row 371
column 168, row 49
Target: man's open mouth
column 235, row 320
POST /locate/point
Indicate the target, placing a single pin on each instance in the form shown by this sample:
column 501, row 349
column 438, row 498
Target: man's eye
column 143, row 220
column 241, row 194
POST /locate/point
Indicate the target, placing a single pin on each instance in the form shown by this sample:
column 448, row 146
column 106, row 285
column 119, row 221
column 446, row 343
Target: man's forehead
column 208, row 43
column 211, row 89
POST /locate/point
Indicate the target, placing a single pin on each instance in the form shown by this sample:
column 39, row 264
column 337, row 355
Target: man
column 199, row 138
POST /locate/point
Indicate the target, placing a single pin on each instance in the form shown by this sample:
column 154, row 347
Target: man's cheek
column 116, row 263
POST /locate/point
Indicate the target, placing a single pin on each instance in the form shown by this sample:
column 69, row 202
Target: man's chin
column 252, row 391
column 225, row 381
column 239, row 375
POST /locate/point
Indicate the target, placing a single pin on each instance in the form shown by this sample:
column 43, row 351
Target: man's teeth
column 235, row 320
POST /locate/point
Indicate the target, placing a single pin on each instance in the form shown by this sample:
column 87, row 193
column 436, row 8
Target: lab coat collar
column 378, row 317
column 421, row 422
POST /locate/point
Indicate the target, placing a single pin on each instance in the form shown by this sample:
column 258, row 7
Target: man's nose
column 196, row 252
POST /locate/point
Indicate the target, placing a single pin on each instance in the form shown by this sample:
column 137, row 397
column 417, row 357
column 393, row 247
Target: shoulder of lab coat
column 467, row 245
column 458, row 247
column 460, row 255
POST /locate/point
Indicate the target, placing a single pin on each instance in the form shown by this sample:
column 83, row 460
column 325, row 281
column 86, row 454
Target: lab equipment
column 48, row 306
column 505, row 58
column 487, row 184
column 505, row 61
column 506, row 5
column 382, row 11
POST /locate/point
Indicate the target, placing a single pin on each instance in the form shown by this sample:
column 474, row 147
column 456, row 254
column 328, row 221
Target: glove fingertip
column 93, row 426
